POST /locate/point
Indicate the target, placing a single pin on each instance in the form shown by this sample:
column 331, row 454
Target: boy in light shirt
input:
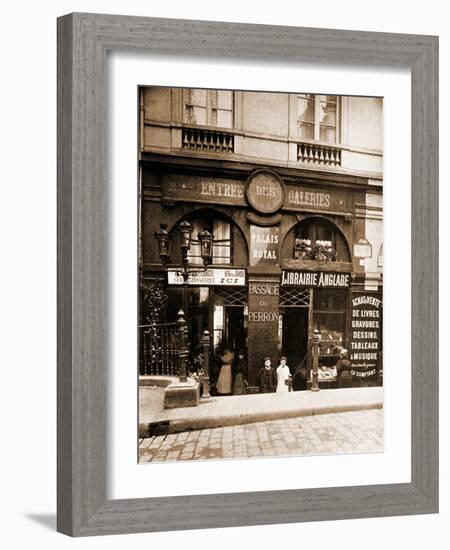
column 283, row 376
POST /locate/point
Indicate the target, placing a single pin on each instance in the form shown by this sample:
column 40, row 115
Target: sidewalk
column 243, row 409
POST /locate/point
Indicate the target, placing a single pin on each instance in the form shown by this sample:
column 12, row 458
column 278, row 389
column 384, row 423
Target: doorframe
column 309, row 322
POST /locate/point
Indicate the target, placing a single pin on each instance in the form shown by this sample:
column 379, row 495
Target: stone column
column 263, row 317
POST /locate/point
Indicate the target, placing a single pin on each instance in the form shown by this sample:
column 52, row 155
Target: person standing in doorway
column 224, row 382
column 267, row 377
column 240, row 384
column 283, row 376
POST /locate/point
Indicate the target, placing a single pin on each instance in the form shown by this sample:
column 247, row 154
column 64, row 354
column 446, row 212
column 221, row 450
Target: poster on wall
column 365, row 341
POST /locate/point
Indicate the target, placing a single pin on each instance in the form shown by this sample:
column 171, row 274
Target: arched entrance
column 216, row 300
column 314, row 293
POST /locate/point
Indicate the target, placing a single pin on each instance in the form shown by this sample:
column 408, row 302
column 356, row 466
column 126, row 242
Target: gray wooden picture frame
column 83, row 41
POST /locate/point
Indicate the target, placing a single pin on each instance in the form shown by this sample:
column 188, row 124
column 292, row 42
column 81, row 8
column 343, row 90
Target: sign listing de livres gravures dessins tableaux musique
column 365, row 332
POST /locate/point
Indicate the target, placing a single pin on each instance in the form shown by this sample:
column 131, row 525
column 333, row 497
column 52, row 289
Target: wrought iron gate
column 159, row 349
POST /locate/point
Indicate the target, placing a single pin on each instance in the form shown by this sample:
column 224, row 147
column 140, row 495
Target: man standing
column 267, row 377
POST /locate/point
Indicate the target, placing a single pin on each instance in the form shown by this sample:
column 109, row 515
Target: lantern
column 163, row 239
column 206, row 242
column 185, row 230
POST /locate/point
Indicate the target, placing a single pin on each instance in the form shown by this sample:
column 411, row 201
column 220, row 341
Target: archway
column 313, row 229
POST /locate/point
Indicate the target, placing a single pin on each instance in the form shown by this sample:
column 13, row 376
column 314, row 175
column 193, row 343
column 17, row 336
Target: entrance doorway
column 294, row 335
column 234, row 328
column 229, row 328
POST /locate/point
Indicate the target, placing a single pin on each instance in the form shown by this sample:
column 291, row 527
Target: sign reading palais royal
column 212, row 276
column 265, row 194
column 315, row 279
column 264, row 245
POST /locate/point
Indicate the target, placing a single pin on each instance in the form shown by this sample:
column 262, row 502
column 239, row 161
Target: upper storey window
column 317, row 117
column 208, row 107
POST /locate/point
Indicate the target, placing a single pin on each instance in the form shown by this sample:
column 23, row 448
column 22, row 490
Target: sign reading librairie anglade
column 365, row 335
column 212, row 276
column 315, row 279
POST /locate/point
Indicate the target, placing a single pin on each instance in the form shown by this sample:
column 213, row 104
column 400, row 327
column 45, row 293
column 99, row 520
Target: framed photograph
column 247, row 274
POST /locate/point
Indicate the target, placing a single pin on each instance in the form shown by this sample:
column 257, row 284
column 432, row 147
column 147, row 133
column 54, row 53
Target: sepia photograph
column 260, row 274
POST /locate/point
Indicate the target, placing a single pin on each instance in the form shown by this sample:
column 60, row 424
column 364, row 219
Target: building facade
column 290, row 186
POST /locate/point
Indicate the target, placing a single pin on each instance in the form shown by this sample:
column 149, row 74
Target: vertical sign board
column 365, row 337
column 263, row 317
column 264, row 245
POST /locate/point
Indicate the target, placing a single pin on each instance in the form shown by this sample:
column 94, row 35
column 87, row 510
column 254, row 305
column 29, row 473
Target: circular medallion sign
column 265, row 191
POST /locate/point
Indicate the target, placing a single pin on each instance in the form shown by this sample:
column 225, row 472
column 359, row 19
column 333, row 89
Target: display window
column 329, row 317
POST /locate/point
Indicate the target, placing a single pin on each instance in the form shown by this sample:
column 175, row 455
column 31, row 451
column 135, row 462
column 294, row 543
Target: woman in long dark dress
column 240, row 385
column 224, row 382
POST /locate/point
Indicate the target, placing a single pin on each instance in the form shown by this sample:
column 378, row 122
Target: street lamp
column 185, row 230
column 315, row 358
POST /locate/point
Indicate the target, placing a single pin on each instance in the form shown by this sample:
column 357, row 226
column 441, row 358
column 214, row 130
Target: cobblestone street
column 345, row 432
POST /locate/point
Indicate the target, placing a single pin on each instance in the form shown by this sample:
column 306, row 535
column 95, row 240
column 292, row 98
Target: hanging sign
column 212, row 276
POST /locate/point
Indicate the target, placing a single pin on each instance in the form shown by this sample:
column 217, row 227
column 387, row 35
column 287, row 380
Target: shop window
column 208, row 107
column 222, row 244
column 330, row 299
column 319, row 239
column 317, row 118
column 329, row 317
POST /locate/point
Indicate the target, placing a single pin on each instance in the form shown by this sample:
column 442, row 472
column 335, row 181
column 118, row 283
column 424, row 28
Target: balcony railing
column 319, row 154
column 197, row 139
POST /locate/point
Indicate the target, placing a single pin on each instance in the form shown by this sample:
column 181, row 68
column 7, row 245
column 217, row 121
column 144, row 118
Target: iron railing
column 159, row 349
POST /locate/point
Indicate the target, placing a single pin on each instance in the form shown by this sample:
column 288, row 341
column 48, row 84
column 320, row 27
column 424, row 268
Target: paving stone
column 338, row 433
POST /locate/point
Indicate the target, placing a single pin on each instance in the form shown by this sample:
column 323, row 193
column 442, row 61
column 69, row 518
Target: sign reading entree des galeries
column 314, row 279
column 264, row 192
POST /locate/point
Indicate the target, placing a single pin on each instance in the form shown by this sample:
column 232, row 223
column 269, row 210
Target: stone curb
column 191, row 424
